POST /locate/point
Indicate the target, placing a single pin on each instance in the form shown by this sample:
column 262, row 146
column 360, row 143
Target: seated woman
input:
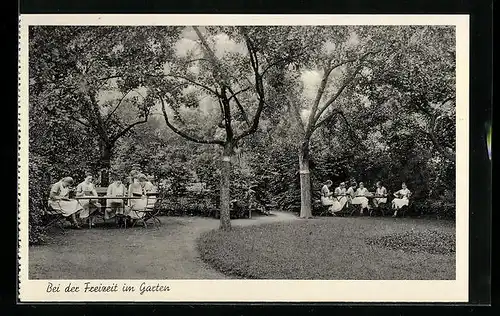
column 360, row 198
column 59, row 200
column 326, row 195
column 340, row 199
column 84, row 189
column 141, row 188
column 115, row 189
column 401, row 199
column 152, row 190
column 351, row 192
column 380, row 195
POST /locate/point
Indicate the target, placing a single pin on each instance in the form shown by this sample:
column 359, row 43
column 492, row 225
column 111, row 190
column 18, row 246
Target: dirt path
column 167, row 252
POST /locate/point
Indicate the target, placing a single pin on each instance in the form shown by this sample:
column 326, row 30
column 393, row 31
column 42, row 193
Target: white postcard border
column 258, row 290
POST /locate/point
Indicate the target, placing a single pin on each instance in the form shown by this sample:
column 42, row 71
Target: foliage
column 95, row 76
column 57, row 149
column 386, row 110
column 37, row 200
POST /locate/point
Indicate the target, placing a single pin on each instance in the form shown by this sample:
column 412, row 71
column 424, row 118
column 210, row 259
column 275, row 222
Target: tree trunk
column 105, row 164
column 305, row 182
column 225, row 220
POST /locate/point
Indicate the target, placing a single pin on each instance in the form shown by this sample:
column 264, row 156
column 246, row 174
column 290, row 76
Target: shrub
column 37, row 198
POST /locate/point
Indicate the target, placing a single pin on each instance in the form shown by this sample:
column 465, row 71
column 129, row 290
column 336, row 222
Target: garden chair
column 100, row 212
column 382, row 208
column 402, row 211
column 152, row 209
column 53, row 217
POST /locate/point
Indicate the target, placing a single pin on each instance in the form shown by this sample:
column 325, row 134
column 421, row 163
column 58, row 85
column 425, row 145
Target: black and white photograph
column 161, row 153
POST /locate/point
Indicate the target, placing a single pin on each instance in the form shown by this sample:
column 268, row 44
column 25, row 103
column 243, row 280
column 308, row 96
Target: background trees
column 364, row 102
column 94, row 76
column 235, row 76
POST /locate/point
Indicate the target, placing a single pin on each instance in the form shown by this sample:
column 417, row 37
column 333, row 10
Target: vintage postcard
column 243, row 158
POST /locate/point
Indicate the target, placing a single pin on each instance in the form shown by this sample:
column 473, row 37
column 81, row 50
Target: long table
column 105, row 198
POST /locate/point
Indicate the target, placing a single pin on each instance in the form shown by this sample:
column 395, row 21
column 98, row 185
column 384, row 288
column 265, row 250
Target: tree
column 344, row 54
column 94, row 76
column 236, row 82
column 421, row 77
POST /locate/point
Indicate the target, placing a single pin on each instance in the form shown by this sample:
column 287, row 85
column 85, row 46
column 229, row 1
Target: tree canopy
column 291, row 106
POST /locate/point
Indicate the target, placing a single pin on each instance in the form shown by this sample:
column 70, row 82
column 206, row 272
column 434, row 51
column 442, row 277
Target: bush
column 188, row 205
column 37, row 198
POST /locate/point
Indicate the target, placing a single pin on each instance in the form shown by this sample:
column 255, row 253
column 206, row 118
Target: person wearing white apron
column 401, row 199
column 360, row 197
column 351, row 192
column 84, row 189
column 326, row 195
column 340, row 198
column 139, row 189
column 380, row 195
column 114, row 207
column 59, row 200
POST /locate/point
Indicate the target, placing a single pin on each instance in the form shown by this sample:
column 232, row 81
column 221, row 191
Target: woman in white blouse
column 361, row 197
column 326, row 195
column 401, row 199
column 115, row 189
column 141, row 189
column 84, row 189
column 340, row 198
column 59, row 200
column 380, row 195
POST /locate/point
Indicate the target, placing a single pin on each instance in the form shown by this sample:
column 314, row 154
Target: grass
column 166, row 252
column 335, row 248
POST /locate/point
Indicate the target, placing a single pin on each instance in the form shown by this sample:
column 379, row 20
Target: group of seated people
column 140, row 186
column 359, row 195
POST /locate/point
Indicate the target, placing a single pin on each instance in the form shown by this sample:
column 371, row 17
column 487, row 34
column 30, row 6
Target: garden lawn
column 361, row 248
column 166, row 252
